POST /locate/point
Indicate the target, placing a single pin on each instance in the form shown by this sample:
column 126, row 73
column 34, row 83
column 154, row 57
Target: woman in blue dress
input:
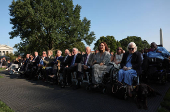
column 131, row 66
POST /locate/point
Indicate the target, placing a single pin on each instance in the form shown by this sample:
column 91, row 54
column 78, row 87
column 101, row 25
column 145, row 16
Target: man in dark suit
column 35, row 62
column 57, row 61
column 26, row 62
column 25, row 66
column 85, row 65
column 41, row 65
column 75, row 59
column 66, row 60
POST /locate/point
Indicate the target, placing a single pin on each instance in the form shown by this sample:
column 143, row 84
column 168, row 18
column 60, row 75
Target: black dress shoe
column 63, row 85
column 77, row 87
column 95, row 85
column 69, row 84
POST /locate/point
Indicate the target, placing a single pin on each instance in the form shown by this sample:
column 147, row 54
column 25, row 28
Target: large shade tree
column 141, row 44
column 48, row 24
column 110, row 41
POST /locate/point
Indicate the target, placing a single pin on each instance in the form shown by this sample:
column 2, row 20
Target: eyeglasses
column 44, row 53
column 131, row 49
column 119, row 49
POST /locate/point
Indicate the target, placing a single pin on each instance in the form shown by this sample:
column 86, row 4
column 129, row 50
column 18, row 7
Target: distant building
column 5, row 49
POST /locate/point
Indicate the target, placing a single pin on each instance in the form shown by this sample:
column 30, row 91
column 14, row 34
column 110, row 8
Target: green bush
column 4, row 107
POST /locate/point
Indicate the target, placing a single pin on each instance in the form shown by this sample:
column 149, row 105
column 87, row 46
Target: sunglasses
column 131, row 49
column 119, row 49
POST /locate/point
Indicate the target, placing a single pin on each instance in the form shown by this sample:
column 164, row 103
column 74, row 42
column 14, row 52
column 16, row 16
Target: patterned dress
column 97, row 70
column 128, row 74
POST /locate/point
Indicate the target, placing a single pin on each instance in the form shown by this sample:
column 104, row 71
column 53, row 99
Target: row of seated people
column 97, row 64
column 76, row 62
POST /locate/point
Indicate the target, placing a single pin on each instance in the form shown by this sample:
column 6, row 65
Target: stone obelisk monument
column 161, row 38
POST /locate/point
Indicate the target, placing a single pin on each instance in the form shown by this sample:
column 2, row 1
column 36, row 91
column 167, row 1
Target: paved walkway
column 36, row 96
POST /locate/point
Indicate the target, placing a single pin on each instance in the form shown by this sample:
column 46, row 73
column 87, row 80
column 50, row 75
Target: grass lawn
column 2, row 69
column 165, row 104
column 4, row 107
column 1, row 76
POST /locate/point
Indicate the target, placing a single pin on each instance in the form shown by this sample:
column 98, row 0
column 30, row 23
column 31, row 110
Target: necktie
column 34, row 58
column 73, row 60
column 65, row 58
column 85, row 60
column 57, row 59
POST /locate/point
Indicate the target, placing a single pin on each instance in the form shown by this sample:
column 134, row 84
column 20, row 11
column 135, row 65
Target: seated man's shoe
column 69, row 84
column 95, row 85
column 77, row 87
column 63, row 85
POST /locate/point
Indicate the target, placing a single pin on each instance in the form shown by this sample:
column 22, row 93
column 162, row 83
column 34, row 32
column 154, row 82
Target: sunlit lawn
column 2, row 69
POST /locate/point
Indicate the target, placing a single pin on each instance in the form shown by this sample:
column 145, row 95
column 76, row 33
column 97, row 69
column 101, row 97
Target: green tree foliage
column 141, row 44
column 48, row 24
column 110, row 41
column 11, row 56
column 79, row 45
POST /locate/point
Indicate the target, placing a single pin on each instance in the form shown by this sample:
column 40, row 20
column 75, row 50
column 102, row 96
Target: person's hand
column 66, row 66
column 101, row 64
column 85, row 67
column 158, row 51
column 94, row 62
column 116, row 63
column 124, row 68
column 129, row 68
column 75, row 64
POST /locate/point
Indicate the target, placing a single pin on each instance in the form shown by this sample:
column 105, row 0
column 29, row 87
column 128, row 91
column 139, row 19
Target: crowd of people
column 130, row 64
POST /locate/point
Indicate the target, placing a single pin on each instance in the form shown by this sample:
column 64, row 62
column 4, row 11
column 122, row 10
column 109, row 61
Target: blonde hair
column 51, row 52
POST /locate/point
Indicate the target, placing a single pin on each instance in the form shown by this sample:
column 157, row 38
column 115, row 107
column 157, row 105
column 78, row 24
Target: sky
column 118, row 18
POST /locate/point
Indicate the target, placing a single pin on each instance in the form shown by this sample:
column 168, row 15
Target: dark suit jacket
column 26, row 62
column 37, row 60
column 50, row 61
column 66, row 62
column 136, row 61
column 60, row 58
column 78, row 58
column 89, row 61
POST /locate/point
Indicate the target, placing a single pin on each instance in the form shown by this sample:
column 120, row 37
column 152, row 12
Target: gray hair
column 68, row 50
column 87, row 47
column 60, row 51
column 133, row 44
column 76, row 49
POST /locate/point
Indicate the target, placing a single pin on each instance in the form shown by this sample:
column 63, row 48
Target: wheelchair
column 103, row 87
column 107, row 79
column 119, row 89
column 155, row 72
